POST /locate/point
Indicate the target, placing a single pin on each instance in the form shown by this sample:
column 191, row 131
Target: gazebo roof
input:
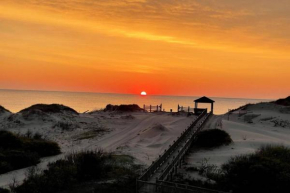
column 204, row 99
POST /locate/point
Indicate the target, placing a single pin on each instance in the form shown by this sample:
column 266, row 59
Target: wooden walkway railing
column 166, row 165
column 169, row 187
column 171, row 169
column 160, row 161
column 184, row 108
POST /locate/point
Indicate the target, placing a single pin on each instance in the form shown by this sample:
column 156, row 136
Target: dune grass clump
column 69, row 174
column 65, row 126
column 212, row 138
column 267, row 170
column 18, row 152
column 51, row 108
column 124, row 108
column 284, row 102
column 2, row 190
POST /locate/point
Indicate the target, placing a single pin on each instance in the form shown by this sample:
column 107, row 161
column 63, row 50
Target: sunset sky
column 166, row 47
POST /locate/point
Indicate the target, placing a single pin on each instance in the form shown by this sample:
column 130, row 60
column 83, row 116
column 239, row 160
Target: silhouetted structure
column 204, row 99
column 152, row 108
column 184, row 108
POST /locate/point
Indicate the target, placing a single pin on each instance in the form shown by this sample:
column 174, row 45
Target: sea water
column 16, row 100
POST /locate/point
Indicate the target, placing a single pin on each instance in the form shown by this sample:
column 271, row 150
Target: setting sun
column 143, row 93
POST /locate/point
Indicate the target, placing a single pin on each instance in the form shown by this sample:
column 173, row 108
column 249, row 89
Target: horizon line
column 91, row 92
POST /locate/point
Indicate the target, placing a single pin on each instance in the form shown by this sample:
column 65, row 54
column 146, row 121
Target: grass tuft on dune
column 50, row 109
column 89, row 171
column 266, row 170
column 212, row 138
column 22, row 151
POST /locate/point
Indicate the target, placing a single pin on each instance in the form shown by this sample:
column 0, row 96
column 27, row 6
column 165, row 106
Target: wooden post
column 178, row 108
column 144, row 108
column 188, row 108
column 150, row 108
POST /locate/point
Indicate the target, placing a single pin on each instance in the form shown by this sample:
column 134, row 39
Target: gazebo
column 202, row 100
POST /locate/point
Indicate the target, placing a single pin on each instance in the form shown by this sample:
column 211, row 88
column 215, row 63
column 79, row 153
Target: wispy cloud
column 147, row 36
column 178, row 22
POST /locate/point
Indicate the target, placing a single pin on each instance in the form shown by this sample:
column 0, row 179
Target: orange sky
column 165, row 47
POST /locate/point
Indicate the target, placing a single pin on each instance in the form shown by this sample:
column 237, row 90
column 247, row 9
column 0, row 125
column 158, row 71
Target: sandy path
column 117, row 138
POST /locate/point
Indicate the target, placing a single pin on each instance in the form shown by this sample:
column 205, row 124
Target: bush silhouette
column 267, row 170
column 4, row 190
column 123, row 108
column 51, row 108
column 212, row 138
column 21, row 151
column 76, row 169
column 9, row 140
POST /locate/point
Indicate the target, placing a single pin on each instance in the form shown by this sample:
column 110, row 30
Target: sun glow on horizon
column 143, row 93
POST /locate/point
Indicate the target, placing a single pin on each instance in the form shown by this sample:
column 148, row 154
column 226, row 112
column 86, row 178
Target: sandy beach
column 139, row 134
column 145, row 136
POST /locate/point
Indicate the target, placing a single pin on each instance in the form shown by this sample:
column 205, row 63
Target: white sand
column 247, row 137
column 146, row 135
column 141, row 135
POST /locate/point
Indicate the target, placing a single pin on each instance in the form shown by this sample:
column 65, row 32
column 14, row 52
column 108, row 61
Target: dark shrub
column 63, row 174
column 43, row 148
column 4, row 190
column 90, row 165
column 284, row 102
column 268, row 170
column 15, row 159
column 212, row 138
column 127, row 185
column 79, row 168
column 65, row 126
column 5, row 167
column 123, row 108
column 37, row 136
column 53, row 108
column 20, row 159
column 9, row 140
column 21, row 151
column 59, row 176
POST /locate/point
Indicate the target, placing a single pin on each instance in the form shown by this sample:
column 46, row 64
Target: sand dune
column 146, row 135
column 140, row 134
column 247, row 137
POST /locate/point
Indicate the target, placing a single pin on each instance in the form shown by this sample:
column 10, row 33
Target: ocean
column 16, row 100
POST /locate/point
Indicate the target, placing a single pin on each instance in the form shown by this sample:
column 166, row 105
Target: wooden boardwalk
column 162, row 170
